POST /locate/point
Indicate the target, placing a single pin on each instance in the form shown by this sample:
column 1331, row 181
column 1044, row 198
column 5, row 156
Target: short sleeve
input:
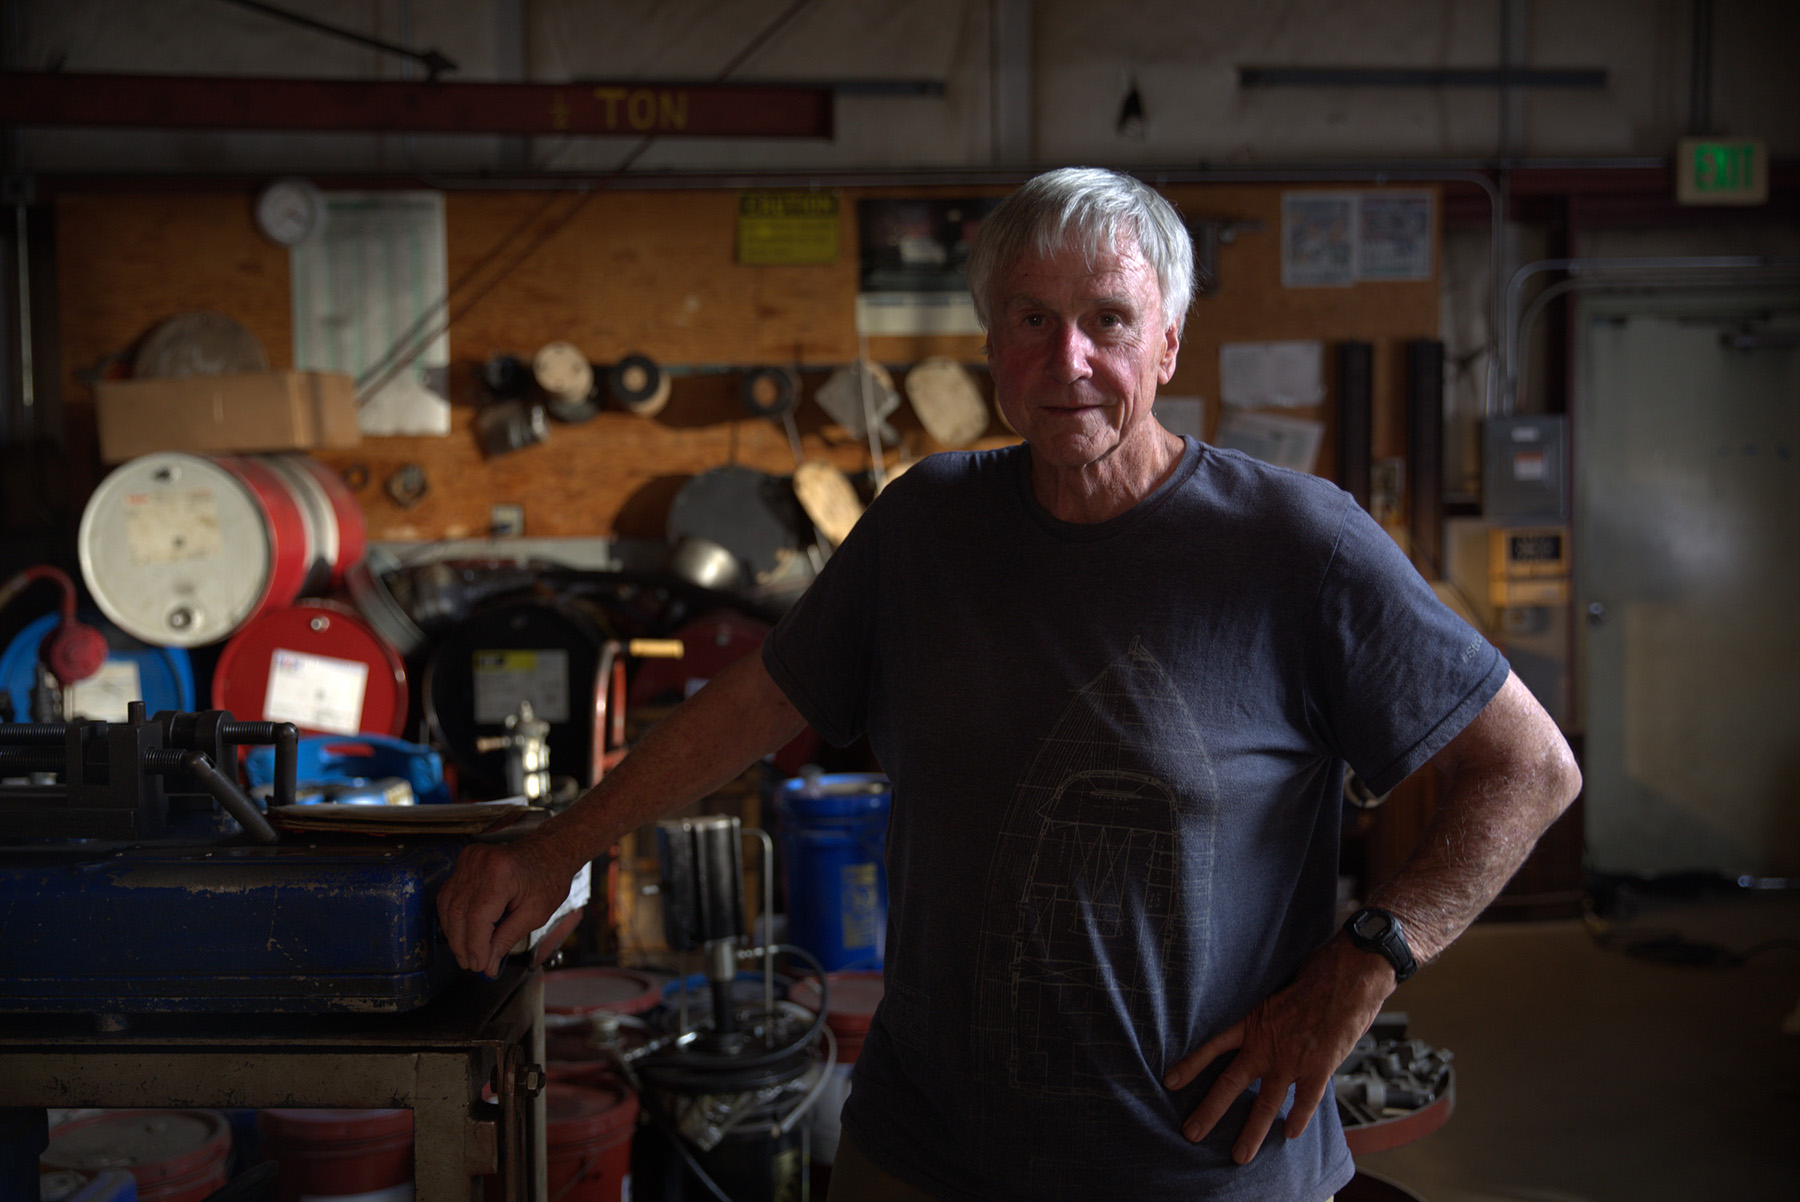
column 1393, row 673
column 820, row 653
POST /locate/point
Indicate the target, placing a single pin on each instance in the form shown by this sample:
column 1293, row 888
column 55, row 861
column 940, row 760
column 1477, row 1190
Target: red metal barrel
column 316, row 664
column 336, row 530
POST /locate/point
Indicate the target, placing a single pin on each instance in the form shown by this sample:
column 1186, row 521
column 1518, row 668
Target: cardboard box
column 245, row 412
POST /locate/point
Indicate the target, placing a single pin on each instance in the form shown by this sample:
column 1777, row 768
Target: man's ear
column 1165, row 368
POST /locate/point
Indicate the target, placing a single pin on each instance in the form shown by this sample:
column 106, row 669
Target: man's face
column 1077, row 351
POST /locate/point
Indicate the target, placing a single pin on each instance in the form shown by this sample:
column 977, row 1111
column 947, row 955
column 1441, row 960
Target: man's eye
column 1034, row 320
column 1109, row 319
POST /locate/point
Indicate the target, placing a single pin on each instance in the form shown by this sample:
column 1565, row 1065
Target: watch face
column 1372, row 925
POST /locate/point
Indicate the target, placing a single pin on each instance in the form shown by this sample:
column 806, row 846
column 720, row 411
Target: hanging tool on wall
column 638, row 385
column 948, row 401
column 571, row 390
column 774, row 392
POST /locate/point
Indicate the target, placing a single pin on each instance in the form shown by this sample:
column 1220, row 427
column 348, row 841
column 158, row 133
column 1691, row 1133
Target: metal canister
column 336, row 531
column 316, row 664
column 181, row 550
column 552, row 653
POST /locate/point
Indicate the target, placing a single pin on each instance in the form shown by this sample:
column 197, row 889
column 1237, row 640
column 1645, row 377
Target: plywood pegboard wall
column 639, row 271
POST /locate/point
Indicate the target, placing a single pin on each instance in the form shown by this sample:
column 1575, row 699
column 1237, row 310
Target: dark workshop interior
column 406, row 405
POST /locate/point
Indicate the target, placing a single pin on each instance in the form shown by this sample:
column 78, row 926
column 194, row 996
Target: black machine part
column 702, row 885
column 118, row 778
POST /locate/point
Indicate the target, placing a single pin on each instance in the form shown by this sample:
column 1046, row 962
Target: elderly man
column 1115, row 677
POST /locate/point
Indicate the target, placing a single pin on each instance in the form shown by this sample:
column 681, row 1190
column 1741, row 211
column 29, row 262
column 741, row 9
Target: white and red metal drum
column 181, row 550
column 334, row 523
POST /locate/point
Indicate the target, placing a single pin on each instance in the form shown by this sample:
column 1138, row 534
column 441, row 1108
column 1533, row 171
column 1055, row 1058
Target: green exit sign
column 1721, row 171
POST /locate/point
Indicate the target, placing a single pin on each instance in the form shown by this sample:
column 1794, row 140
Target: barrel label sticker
column 316, row 692
column 104, row 696
column 505, row 678
column 862, row 904
column 172, row 525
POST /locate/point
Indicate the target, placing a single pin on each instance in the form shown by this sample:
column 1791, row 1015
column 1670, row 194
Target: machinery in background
column 726, row 1077
column 137, row 877
column 527, row 747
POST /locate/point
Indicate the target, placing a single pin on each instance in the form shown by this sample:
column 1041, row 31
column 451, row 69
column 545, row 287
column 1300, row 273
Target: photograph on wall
column 917, row 245
column 912, row 254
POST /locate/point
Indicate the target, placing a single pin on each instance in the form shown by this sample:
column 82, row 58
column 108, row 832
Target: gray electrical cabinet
column 1524, row 469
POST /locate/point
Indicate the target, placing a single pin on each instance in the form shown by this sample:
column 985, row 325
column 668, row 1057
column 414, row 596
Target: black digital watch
column 1379, row 931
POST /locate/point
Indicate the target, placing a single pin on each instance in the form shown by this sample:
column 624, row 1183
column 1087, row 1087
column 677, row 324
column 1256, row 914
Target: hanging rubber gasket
column 769, row 391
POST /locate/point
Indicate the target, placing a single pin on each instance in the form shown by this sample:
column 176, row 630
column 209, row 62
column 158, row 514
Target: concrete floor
column 1587, row 1075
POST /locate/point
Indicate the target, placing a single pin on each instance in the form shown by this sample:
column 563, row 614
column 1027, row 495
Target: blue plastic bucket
column 161, row 677
column 108, row 1185
column 833, row 833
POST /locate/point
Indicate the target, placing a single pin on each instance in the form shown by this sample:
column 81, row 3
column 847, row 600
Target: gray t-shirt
column 1117, row 753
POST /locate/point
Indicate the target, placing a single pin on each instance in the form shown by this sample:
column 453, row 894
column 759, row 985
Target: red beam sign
column 342, row 105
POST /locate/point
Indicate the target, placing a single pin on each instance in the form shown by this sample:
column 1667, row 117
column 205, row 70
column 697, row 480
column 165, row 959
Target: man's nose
column 1070, row 358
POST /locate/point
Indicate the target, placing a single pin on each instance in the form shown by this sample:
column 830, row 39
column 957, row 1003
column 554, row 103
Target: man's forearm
column 1510, row 775
column 736, row 719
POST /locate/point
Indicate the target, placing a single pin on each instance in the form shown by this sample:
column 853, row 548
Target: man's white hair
column 1092, row 209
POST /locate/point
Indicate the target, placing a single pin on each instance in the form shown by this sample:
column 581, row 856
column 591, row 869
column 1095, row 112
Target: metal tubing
column 286, row 738
column 223, row 789
column 1504, row 77
column 818, row 1087
column 768, row 943
column 1700, row 77
column 1577, row 284
column 1641, row 269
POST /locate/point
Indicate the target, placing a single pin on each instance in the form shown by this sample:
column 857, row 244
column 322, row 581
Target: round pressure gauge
column 289, row 210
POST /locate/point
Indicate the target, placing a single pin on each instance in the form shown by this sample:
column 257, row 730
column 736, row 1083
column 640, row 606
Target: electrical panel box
column 1528, row 565
column 1524, row 468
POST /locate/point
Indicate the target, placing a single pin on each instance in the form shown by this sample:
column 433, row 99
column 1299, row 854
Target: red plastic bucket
column 587, row 1133
column 338, row 1153
column 585, row 990
column 580, row 992
column 854, row 996
column 173, row 1155
column 332, row 674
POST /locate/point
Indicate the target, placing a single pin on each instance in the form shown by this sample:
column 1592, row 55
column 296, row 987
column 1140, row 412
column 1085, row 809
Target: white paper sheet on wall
column 1181, row 415
column 368, row 298
column 1282, row 375
column 1284, row 441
